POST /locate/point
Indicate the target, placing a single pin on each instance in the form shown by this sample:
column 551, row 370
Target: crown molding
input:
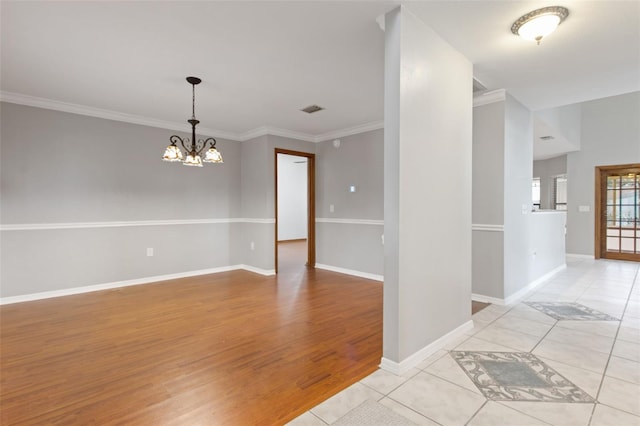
column 367, row 127
column 276, row 131
column 489, row 97
column 34, row 101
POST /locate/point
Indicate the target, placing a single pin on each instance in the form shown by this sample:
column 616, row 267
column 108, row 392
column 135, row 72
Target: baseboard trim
column 127, row 283
column 412, row 361
column 520, row 294
column 350, row 272
column 487, row 299
column 580, row 256
column 266, row 272
column 528, row 289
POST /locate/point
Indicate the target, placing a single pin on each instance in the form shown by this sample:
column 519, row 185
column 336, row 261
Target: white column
column 427, row 206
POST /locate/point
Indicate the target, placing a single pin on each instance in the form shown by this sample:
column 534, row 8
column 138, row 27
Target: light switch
column 584, row 209
column 352, row 188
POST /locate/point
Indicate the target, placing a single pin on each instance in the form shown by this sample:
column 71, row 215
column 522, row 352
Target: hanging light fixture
column 539, row 23
column 193, row 151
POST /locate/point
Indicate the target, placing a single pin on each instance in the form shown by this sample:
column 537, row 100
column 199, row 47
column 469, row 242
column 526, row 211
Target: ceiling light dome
column 540, row 23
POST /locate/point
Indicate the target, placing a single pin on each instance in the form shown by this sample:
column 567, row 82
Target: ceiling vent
column 311, row 109
column 547, row 138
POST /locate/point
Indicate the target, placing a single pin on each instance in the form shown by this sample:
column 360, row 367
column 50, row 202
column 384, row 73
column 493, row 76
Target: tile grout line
column 522, row 412
column 455, row 384
column 448, row 353
column 477, row 411
column 409, row 408
column 615, row 339
column 317, row 417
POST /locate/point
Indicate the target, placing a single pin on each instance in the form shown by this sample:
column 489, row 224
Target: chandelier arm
column 212, row 141
column 200, row 148
column 174, row 139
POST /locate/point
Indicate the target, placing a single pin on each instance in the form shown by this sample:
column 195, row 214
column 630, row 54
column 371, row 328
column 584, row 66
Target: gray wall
column 488, row 164
column 257, row 203
column 353, row 243
column 547, row 170
column 488, row 200
column 60, row 168
column 502, row 173
column 258, row 198
column 106, row 177
column 610, row 135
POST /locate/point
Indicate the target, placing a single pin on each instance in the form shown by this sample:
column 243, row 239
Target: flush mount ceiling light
column 540, row 23
column 193, row 151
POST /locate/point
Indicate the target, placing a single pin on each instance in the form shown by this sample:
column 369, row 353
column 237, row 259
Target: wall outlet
column 332, row 208
column 584, row 209
column 150, row 252
column 252, row 245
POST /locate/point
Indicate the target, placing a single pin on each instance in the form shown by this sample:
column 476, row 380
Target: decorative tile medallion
column 570, row 311
column 517, row 376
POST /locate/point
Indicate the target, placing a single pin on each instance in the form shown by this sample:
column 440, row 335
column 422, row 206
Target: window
column 560, row 192
column 535, row 193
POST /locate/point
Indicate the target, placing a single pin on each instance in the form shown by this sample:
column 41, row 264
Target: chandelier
column 193, row 150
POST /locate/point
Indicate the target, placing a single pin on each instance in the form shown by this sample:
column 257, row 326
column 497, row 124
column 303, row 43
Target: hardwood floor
column 478, row 306
column 233, row 348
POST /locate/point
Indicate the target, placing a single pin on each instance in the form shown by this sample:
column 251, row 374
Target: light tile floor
column 600, row 357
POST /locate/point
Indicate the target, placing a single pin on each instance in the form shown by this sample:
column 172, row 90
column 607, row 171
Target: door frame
column 600, row 250
column 311, row 204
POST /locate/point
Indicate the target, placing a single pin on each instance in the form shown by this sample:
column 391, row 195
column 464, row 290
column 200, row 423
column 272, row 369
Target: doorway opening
column 295, row 244
column 617, row 234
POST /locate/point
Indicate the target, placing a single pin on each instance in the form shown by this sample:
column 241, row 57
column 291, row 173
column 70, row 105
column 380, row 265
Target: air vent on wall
column 311, row 109
column 546, row 138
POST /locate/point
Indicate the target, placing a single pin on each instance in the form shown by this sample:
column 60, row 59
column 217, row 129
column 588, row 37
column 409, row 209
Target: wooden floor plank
column 233, row 348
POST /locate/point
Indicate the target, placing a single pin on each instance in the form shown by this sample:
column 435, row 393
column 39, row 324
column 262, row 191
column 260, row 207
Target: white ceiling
column 261, row 62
